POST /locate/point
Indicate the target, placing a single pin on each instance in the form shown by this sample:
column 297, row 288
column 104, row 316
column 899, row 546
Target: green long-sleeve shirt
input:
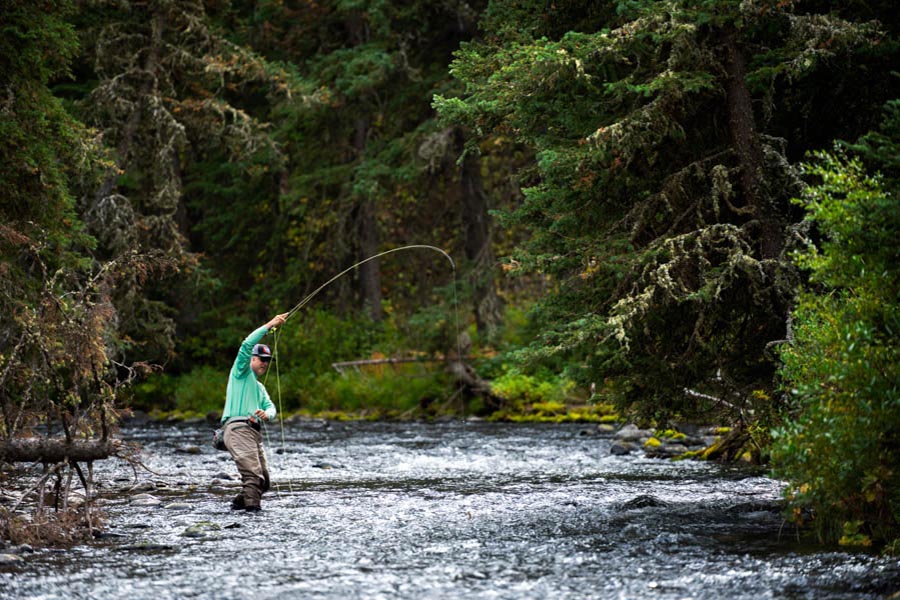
column 245, row 394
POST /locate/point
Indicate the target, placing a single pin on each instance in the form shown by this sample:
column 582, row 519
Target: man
column 247, row 404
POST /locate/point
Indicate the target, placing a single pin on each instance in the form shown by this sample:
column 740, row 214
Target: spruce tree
column 660, row 201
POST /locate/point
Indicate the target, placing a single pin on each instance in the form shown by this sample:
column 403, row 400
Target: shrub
column 838, row 446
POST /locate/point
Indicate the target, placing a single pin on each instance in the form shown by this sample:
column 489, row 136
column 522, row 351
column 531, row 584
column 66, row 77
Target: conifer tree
column 660, row 199
column 178, row 104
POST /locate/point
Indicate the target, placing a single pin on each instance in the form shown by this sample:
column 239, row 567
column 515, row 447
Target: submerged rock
column 642, row 501
column 177, row 506
column 148, row 547
column 325, row 465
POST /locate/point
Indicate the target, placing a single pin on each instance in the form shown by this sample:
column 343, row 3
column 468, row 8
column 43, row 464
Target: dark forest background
column 677, row 211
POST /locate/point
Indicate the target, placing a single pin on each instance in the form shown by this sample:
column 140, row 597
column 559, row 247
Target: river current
column 450, row 510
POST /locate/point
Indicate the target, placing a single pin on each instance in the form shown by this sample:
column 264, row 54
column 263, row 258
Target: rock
column 201, row 529
column 148, row 547
column 107, row 535
column 325, row 465
column 144, row 486
column 605, row 428
column 622, row 448
column 10, row 559
column 145, row 500
column 642, row 501
column 630, row 433
column 225, row 476
column 177, row 506
column 188, row 450
column 665, row 450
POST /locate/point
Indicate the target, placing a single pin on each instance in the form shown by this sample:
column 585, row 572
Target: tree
column 195, row 168
column 370, row 167
column 660, row 200
column 57, row 321
column 839, row 445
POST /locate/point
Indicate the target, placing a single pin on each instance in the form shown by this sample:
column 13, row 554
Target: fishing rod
column 315, row 292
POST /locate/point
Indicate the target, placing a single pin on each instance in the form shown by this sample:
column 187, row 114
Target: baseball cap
column 262, row 351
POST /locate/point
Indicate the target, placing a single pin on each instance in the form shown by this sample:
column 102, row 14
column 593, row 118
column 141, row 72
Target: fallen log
column 56, row 450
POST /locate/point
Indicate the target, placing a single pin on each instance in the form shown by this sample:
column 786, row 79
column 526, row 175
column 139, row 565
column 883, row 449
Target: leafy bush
column 838, row 447
column 518, row 389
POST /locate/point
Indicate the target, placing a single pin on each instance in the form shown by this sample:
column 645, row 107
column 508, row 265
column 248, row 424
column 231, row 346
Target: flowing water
column 454, row 510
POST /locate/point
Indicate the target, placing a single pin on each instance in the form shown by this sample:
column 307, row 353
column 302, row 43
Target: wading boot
column 253, row 508
column 238, row 502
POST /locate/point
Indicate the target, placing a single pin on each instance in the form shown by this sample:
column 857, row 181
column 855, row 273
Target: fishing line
column 280, row 415
column 315, row 292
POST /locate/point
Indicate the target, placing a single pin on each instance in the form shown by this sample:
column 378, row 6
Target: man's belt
column 251, row 422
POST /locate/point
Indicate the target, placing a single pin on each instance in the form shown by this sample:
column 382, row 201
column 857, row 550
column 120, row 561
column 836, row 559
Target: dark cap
column 262, row 351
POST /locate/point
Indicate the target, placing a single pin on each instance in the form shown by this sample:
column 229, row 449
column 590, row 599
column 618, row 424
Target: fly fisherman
column 247, row 404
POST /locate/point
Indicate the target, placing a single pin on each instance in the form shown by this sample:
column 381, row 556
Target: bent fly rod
column 315, row 292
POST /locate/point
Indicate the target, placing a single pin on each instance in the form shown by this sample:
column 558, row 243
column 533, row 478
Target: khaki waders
column 244, row 442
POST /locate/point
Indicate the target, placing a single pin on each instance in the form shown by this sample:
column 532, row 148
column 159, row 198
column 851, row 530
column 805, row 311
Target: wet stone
column 145, row 500
column 10, row 559
column 622, row 448
column 201, row 529
column 642, row 501
column 144, row 486
column 177, row 506
column 630, row 433
column 148, row 547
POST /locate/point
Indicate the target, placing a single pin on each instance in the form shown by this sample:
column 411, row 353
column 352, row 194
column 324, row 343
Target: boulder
column 622, row 448
column 642, row 501
column 631, row 433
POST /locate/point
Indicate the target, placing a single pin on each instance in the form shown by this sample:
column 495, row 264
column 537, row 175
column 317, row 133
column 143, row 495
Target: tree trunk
column 476, row 223
column 367, row 229
column 745, row 140
column 49, row 450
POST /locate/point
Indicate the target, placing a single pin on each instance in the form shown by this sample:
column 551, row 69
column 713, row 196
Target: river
column 451, row 510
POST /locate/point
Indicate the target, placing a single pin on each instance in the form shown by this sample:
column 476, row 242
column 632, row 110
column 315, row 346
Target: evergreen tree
column 370, row 168
column 660, row 199
column 183, row 109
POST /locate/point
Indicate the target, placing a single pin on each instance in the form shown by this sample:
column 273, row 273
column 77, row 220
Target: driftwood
column 56, row 450
column 469, row 379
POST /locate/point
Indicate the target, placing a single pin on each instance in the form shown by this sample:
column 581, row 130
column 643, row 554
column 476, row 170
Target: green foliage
column 838, row 447
column 519, row 389
column 311, row 341
column 201, row 391
column 664, row 262
column 389, row 394
column 154, row 392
